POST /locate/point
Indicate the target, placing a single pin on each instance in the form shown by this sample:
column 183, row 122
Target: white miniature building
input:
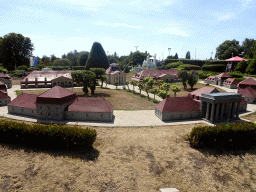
column 150, row 62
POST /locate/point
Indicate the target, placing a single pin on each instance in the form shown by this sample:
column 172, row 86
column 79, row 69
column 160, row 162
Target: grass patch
column 18, row 92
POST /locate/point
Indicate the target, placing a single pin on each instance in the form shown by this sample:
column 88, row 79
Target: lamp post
column 136, row 47
column 211, row 54
column 169, row 49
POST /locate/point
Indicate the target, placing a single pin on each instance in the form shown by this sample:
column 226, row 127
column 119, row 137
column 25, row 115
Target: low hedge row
column 236, row 74
column 46, row 136
column 225, row 136
column 217, row 67
column 189, row 67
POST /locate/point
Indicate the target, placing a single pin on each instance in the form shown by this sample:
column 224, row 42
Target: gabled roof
column 2, row 83
column 249, row 81
column 212, row 77
column 113, row 69
column 24, row 100
column 61, row 77
column 243, row 102
column 231, row 81
column 204, row 89
column 3, row 95
column 172, row 104
column 88, row 104
column 225, row 74
column 248, row 92
column 56, row 94
column 154, row 73
column 4, row 75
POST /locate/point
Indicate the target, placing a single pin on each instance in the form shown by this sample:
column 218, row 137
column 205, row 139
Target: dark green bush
column 189, row 67
column 239, row 79
column 225, row 136
column 236, row 74
column 203, row 75
column 216, row 67
column 172, row 65
column 79, row 67
column 16, row 73
column 46, row 136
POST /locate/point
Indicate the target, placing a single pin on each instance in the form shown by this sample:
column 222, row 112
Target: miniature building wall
column 120, row 77
column 8, row 82
column 85, row 116
column 177, row 115
column 5, row 101
column 22, row 111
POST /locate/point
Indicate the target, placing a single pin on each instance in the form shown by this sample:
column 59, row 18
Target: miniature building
column 61, row 104
column 166, row 75
column 4, row 98
column 217, row 80
column 177, row 108
column 149, row 62
column 217, row 107
column 47, row 79
column 249, row 94
column 196, row 95
column 250, row 82
column 3, row 86
column 5, row 78
column 114, row 73
column 230, row 83
column 210, row 80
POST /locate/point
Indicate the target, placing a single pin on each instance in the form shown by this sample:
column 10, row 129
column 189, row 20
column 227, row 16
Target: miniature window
column 86, row 115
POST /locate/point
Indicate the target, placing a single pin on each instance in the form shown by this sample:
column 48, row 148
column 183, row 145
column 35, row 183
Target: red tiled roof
column 210, row 77
column 172, row 104
column 56, row 94
column 2, row 83
column 248, row 92
column 3, row 95
column 24, row 100
column 86, row 104
column 231, row 81
column 205, row 89
column 109, row 70
column 154, row 73
column 225, row 74
column 6, row 76
column 249, row 81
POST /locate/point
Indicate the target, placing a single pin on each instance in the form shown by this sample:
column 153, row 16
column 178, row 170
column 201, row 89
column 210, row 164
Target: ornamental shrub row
column 225, row 136
column 189, row 67
column 51, row 136
column 215, row 67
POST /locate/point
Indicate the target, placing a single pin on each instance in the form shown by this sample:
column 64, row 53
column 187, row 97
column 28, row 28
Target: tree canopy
column 15, row 49
column 85, row 77
column 225, row 50
column 82, row 58
column 187, row 55
column 97, row 57
column 62, row 62
column 251, row 69
column 241, row 66
column 247, row 47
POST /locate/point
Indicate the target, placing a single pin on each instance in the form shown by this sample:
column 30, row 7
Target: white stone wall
column 22, row 111
column 179, row 115
column 83, row 116
column 5, row 101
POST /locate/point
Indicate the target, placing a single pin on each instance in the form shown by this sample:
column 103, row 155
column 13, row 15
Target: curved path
column 122, row 118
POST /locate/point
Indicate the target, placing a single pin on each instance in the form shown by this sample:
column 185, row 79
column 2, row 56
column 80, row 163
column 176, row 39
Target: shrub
column 189, row 67
column 237, row 74
column 239, row 79
column 172, row 65
column 46, row 136
column 226, row 136
column 16, row 73
column 79, row 67
column 217, row 68
column 23, row 67
column 251, row 69
column 241, row 66
column 202, row 75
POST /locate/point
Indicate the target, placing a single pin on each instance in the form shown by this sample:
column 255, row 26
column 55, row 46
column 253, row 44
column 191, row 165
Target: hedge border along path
column 46, row 136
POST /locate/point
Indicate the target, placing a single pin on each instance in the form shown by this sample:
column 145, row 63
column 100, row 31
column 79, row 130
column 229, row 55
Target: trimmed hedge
column 51, row 136
column 236, row 74
column 189, row 67
column 79, row 67
column 217, row 68
column 225, row 136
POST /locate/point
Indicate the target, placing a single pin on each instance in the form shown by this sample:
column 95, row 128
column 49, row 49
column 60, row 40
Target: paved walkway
column 122, row 118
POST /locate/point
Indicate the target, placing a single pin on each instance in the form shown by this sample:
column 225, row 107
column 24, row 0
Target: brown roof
column 248, row 92
column 56, row 94
column 249, row 81
column 114, row 68
column 225, row 74
column 3, row 94
column 231, row 81
column 154, row 73
column 2, row 83
column 172, row 104
column 204, row 89
column 4, row 75
column 86, row 104
column 24, row 100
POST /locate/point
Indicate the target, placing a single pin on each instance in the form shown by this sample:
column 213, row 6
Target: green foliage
column 163, row 94
column 192, row 78
column 203, row 75
column 251, row 69
column 78, row 67
column 62, row 62
column 154, row 91
column 133, row 83
column 72, row 57
column 239, row 79
column 40, row 66
column 149, row 81
column 227, row 136
column 82, row 58
column 217, row 68
column 18, row 92
column 236, row 74
column 241, row 66
column 3, row 70
column 183, row 74
column 126, row 69
column 175, row 89
column 16, row 73
column 116, row 83
column 225, row 50
column 141, row 86
column 103, row 78
column 97, row 57
column 172, row 65
column 248, row 47
column 187, row 55
column 59, row 68
column 137, row 58
column 15, row 49
column 189, row 67
column 165, row 86
column 23, row 67
column 98, row 72
column 46, row 136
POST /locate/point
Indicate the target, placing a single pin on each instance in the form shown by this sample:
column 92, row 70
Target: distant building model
column 250, row 82
column 47, row 79
column 196, row 95
column 4, row 98
column 61, row 104
column 114, row 73
column 249, row 94
column 5, row 78
column 230, row 83
column 166, row 75
column 3, row 86
column 149, row 62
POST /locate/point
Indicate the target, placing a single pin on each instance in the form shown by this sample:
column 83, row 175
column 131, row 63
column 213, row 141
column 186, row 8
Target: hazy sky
column 59, row 26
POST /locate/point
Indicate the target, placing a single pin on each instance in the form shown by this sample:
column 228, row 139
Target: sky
column 60, row 26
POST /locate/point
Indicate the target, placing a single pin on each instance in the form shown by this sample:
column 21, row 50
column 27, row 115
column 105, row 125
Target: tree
column 147, row 88
column 225, row 50
column 103, row 78
column 126, row 69
column 127, row 82
column 141, row 86
column 23, row 67
column 158, row 83
column 247, row 47
column 85, row 77
column 176, row 56
column 192, row 79
column 15, row 50
column 149, row 81
column 187, row 55
column 82, row 58
column 241, row 66
column 183, row 74
column 132, row 82
column 166, row 87
column 137, row 58
column 116, row 83
column 72, row 56
column 175, row 89
column 45, row 60
column 216, row 56
column 40, row 66
column 163, row 94
column 64, row 56
column 154, row 91
column 62, row 62
column 98, row 72
column 251, row 69
column 53, row 58
column 97, row 57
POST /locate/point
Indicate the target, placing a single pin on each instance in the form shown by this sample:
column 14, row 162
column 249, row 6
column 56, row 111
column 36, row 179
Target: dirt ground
column 128, row 159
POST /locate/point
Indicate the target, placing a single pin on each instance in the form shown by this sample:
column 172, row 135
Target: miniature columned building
column 114, row 73
column 217, row 107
